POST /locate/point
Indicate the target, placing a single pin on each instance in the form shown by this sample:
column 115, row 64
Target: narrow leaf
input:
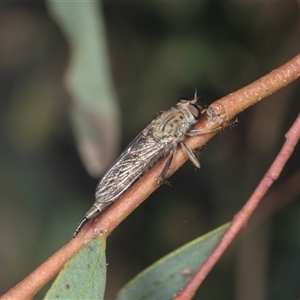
column 168, row 275
column 83, row 276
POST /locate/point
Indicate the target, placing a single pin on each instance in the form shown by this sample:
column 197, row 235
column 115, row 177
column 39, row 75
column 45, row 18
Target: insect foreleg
column 195, row 132
column 191, row 155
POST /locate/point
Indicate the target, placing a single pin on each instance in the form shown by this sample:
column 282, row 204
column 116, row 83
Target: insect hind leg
column 164, row 171
column 190, row 154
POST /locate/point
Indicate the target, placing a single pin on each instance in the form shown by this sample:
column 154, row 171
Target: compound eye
column 183, row 100
column 194, row 110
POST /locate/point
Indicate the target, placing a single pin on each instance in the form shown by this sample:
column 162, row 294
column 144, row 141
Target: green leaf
column 168, row 275
column 83, row 276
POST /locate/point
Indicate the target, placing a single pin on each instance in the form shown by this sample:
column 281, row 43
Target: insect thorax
column 171, row 125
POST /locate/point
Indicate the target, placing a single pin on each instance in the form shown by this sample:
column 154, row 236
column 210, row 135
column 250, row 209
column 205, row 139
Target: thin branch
column 241, row 219
column 219, row 112
column 276, row 199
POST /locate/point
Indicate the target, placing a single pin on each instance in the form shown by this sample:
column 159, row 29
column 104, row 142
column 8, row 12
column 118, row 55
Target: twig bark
column 218, row 113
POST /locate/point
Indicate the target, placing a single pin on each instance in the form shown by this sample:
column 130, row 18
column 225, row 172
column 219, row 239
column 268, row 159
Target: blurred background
column 80, row 80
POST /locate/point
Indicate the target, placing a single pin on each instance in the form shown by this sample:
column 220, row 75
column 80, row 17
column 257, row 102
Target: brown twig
column 218, row 113
column 244, row 214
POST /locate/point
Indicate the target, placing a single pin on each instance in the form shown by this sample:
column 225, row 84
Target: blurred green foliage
column 159, row 51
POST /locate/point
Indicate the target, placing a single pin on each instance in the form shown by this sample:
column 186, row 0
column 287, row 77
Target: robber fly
column 159, row 139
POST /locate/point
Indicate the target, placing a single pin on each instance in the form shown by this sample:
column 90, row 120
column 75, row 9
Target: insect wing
column 136, row 159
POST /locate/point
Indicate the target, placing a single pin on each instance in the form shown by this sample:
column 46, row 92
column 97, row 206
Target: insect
column 159, row 139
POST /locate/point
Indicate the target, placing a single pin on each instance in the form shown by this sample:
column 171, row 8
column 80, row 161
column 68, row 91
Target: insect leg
column 162, row 175
column 203, row 131
column 195, row 132
column 191, row 155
